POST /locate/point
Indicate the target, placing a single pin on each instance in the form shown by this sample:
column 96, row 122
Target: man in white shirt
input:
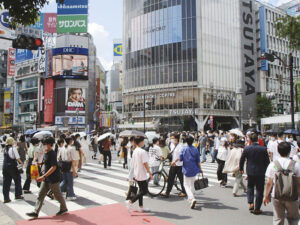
column 274, row 155
column 176, row 166
column 280, row 206
column 155, row 154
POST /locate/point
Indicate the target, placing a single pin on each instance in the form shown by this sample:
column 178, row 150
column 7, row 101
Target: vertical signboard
column 249, row 60
column 50, row 22
column 49, row 101
column 42, row 60
column 263, row 36
column 16, row 112
column 75, row 100
column 6, row 113
column 11, row 67
column 48, row 67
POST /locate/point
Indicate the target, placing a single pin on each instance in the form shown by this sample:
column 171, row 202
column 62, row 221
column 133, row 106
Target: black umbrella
column 292, row 131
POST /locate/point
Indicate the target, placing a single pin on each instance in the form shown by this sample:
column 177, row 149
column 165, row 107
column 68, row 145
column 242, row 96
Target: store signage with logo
column 72, row 24
column 118, row 50
column 72, row 120
column 73, row 7
column 42, row 60
column 5, row 31
column 40, row 23
column 24, row 55
column 50, row 22
column 159, row 95
column 181, row 112
column 11, row 67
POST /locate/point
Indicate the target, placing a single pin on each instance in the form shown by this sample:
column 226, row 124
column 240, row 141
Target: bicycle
column 156, row 189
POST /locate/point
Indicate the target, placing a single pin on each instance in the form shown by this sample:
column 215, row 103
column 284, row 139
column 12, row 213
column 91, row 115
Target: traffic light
column 267, row 56
column 27, row 42
column 280, row 108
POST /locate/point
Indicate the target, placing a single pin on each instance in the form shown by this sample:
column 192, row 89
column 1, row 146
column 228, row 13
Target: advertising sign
column 117, row 49
column 293, row 11
column 70, row 63
column 48, row 68
column 7, row 101
column 167, row 30
column 34, row 32
column 16, row 112
column 11, row 68
column 49, row 101
column 39, row 24
column 42, row 60
column 50, row 23
column 263, row 36
column 72, row 24
column 5, row 31
column 75, row 100
column 72, row 120
column 73, row 7
column 24, row 54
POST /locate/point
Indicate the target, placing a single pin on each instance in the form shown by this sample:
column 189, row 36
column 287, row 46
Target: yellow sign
column 118, row 50
column 6, row 113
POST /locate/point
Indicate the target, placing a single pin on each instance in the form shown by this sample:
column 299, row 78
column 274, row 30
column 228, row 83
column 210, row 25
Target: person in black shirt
column 50, row 180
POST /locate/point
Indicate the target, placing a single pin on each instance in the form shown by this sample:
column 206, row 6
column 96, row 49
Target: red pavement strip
column 114, row 214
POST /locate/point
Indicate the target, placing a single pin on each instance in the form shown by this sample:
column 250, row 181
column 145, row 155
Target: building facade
column 188, row 64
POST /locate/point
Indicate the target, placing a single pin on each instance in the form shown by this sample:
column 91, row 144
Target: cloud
column 275, row 2
column 103, row 43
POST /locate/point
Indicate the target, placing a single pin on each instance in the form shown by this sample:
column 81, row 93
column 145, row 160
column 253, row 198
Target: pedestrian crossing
column 95, row 186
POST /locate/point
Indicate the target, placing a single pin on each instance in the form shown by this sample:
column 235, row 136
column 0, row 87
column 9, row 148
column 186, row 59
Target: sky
column 105, row 24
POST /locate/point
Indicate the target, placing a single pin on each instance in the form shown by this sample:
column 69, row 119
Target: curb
column 5, row 220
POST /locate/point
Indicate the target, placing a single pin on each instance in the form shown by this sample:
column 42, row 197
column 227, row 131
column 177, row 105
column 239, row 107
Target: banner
column 49, row 101
column 72, row 24
column 75, row 100
column 71, row 7
column 42, row 60
column 50, row 23
column 11, row 67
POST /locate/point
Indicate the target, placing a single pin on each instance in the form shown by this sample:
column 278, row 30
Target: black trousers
column 221, row 176
column 258, row 182
column 125, row 156
column 175, row 170
column 105, row 155
column 143, row 190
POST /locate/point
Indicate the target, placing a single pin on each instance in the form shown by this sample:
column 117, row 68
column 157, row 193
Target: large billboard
column 40, row 23
column 70, row 63
column 293, row 11
column 50, row 22
column 263, row 36
column 71, row 7
column 11, row 61
column 72, row 24
column 5, row 31
column 24, row 54
column 147, row 34
column 49, row 101
column 75, row 100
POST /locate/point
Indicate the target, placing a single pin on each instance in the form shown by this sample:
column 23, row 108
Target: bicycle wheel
column 177, row 184
column 156, row 188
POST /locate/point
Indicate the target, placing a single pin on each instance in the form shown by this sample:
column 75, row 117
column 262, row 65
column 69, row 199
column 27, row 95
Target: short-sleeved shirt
column 154, row 154
column 274, row 150
column 51, row 160
column 190, row 157
column 203, row 140
column 139, row 157
column 176, row 152
column 284, row 162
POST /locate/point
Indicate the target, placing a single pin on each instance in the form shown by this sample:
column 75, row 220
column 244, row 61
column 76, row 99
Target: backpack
column 285, row 182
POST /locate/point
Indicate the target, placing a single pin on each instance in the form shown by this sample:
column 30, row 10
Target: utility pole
column 144, row 113
column 292, row 90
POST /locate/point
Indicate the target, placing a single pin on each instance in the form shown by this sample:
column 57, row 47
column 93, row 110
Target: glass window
column 175, row 73
column 183, row 8
column 194, row 29
column 180, row 78
column 189, row 29
column 184, row 29
column 193, row 8
column 195, row 77
column 184, row 72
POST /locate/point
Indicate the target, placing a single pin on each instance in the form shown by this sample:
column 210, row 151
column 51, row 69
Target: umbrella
column 292, row 131
column 236, row 132
column 30, row 131
column 270, row 132
column 43, row 134
column 132, row 133
column 82, row 134
column 104, row 136
column 151, row 135
column 254, row 130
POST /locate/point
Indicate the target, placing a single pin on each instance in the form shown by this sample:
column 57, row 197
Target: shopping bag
column 34, row 172
column 201, row 183
column 132, row 191
column 122, row 154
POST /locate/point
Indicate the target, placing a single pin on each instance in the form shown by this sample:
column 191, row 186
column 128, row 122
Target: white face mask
column 173, row 141
column 291, row 139
column 273, row 138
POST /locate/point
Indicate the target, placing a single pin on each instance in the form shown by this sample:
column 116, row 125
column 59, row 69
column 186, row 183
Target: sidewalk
column 5, row 220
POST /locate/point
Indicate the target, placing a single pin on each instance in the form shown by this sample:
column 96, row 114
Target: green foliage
column 264, row 107
column 289, row 27
column 25, row 12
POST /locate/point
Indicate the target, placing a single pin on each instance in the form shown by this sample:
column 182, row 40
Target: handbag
column 20, row 168
column 201, row 183
column 132, row 191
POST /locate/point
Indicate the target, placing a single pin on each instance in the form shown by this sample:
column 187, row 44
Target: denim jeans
column 153, row 170
column 203, row 153
column 11, row 173
column 67, row 184
column 212, row 154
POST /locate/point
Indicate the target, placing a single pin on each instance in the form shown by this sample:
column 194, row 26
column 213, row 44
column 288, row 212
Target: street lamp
column 239, row 95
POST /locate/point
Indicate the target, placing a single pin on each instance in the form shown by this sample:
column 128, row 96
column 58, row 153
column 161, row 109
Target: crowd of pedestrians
column 249, row 157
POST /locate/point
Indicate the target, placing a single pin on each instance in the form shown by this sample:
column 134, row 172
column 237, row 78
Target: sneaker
column 128, row 205
column 143, row 210
column 193, row 204
column 6, row 201
column 20, row 197
column 165, row 195
column 32, row 215
column 62, row 212
column 71, row 198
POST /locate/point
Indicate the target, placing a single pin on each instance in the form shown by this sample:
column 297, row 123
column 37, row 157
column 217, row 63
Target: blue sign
column 71, row 7
column 4, row 19
column 16, row 114
column 39, row 24
column 263, row 36
column 117, row 49
column 294, row 10
column 24, row 54
column 70, row 51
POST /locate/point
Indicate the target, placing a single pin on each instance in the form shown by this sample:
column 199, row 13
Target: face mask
column 273, row 138
column 172, row 141
column 291, row 139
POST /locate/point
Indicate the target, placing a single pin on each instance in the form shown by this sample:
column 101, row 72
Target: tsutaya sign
column 156, row 95
column 249, row 67
column 181, row 112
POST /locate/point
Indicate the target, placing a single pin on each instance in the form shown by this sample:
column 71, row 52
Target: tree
column 25, row 12
column 264, row 107
column 289, row 27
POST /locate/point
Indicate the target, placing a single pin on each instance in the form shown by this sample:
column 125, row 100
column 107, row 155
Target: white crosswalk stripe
column 95, row 185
